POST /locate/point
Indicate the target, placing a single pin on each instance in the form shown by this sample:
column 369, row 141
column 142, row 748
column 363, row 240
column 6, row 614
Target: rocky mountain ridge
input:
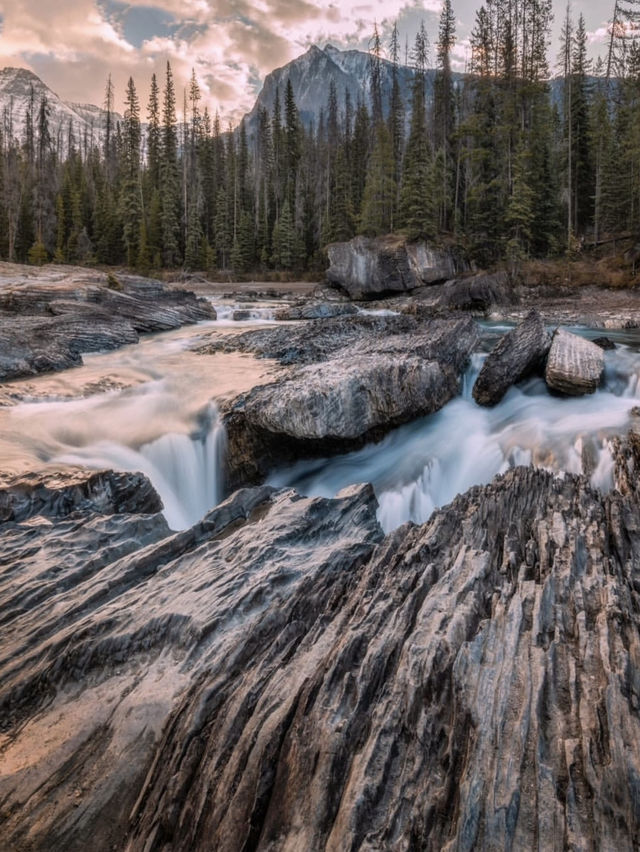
column 19, row 87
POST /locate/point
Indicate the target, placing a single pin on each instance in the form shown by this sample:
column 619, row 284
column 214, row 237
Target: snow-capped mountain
column 18, row 87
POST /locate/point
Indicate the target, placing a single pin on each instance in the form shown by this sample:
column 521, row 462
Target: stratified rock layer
column 58, row 494
column 574, row 365
column 518, row 354
column 282, row 678
column 46, row 326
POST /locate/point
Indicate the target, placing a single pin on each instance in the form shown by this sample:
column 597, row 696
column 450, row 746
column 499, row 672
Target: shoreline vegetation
column 506, row 162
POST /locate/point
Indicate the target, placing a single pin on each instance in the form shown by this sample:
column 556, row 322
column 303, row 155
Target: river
column 153, row 407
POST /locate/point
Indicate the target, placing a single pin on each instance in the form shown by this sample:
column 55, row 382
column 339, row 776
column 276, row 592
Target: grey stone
column 574, row 365
column 517, row 355
column 370, row 267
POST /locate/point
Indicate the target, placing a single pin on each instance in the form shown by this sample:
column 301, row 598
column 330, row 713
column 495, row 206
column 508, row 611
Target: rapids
column 153, row 408
column 425, row 464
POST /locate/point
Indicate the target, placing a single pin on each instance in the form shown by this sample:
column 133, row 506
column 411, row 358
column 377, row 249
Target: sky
column 230, row 44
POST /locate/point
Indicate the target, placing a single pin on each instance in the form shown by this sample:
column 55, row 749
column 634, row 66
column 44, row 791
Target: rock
column 479, row 293
column 517, row 355
column 355, row 336
column 367, row 268
column 281, row 677
column 58, row 494
column 241, row 315
column 356, row 386
column 107, row 624
column 45, row 326
column 604, row 343
column 315, row 310
column 337, row 401
column 574, row 365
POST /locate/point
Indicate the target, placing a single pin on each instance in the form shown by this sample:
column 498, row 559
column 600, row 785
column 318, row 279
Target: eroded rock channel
column 422, row 632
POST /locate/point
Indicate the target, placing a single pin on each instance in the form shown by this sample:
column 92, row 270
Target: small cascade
column 424, row 465
column 243, row 314
column 185, row 469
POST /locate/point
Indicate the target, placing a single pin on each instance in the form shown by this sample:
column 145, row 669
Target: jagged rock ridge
column 281, row 677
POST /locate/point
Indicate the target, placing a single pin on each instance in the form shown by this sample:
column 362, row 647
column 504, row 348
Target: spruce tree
column 169, row 177
column 131, row 191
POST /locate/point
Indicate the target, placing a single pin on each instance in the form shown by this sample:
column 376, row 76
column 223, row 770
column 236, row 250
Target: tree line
column 500, row 162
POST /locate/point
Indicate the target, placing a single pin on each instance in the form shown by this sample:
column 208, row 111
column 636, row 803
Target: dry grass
column 614, row 271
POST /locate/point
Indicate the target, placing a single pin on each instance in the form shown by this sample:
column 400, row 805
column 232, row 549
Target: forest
column 503, row 163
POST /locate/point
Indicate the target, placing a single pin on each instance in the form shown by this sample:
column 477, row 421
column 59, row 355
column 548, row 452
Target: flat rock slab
column 347, row 400
column 315, row 310
column 45, row 325
column 574, row 365
column 517, row 355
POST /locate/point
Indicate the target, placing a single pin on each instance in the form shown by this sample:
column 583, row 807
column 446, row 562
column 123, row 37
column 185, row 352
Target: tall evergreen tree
column 169, row 177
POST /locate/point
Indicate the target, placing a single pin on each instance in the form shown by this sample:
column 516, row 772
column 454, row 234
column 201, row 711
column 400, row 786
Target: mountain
column 312, row 73
column 16, row 86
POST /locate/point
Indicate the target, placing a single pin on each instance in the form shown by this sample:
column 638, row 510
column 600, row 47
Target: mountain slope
column 18, row 87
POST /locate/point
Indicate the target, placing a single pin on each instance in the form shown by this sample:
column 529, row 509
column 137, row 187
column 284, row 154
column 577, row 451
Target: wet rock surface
column 46, row 324
column 517, row 355
column 369, row 267
column 355, row 378
column 574, row 365
column 58, row 494
column 281, row 677
column 315, row 310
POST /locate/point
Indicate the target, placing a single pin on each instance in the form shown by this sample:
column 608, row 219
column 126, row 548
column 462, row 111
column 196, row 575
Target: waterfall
column 185, row 469
column 425, row 464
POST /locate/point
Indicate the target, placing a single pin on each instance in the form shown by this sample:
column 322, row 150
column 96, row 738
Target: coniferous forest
column 497, row 162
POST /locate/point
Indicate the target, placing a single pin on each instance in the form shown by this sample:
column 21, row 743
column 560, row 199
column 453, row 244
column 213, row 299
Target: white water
column 185, row 469
column 162, row 420
column 425, row 464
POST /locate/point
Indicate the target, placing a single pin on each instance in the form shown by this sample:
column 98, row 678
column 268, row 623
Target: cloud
column 231, row 44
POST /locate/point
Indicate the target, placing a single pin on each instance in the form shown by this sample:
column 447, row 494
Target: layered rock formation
column 280, row 677
column 518, row 354
column 370, row 267
column 45, row 326
column 575, row 365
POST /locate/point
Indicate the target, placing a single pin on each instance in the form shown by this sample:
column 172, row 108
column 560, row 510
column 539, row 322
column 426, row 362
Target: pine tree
column 131, row 191
column 153, row 137
column 169, row 177
column 443, row 109
column 380, row 189
column 416, row 213
column 396, row 107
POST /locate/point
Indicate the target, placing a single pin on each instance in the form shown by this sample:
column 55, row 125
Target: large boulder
column 575, row 365
column 478, row 293
column 370, row 267
column 358, row 378
column 348, row 400
column 517, row 355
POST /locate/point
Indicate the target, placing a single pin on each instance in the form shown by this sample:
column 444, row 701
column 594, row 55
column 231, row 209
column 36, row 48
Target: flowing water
column 424, row 465
column 153, row 408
